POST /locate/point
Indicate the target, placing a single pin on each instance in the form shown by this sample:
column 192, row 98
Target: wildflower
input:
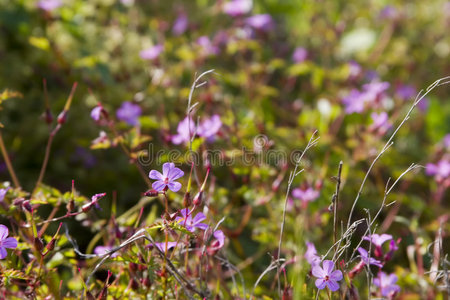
column 388, row 12
column 49, row 5
column 191, row 223
column 185, row 130
column 387, row 285
column 262, row 22
column 311, row 254
column 3, row 193
column 380, row 123
column 355, row 70
column 5, row 241
column 167, row 178
column 151, row 53
column 180, row 25
column 405, row 92
column 129, row 113
column 101, row 250
column 236, row 8
column 393, row 246
column 207, row 48
column 378, row 241
column 326, row 276
column 305, row 195
column 209, row 127
column 371, row 93
column 94, row 202
column 368, row 260
column 300, row 55
column 440, row 170
column 446, row 141
column 353, row 102
column 162, row 246
column 217, row 243
column 96, row 113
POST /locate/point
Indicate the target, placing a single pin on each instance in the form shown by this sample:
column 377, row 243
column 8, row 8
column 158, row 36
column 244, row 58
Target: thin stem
column 335, row 204
column 8, row 162
column 46, row 157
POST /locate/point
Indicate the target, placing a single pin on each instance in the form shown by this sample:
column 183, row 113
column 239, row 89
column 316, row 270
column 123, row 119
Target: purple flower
column 368, row 260
column 191, row 223
column 5, row 241
column 300, row 55
column 353, row 102
column 378, row 241
column 209, row 127
column 236, row 8
column 180, row 25
column 311, row 254
column 440, row 170
column 262, row 22
column 446, row 141
column 185, row 131
column 218, row 242
column 355, row 70
column 96, row 113
column 101, row 250
column 386, row 283
column 393, row 246
column 305, row 195
column 375, row 90
column 406, row 92
column 162, row 246
column 129, row 113
column 151, row 53
column 326, row 276
column 388, row 12
column 167, row 178
column 380, row 122
column 372, row 92
column 3, row 193
column 207, row 48
column 49, row 5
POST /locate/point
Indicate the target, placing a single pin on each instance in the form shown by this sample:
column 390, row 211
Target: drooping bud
column 198, row 199
column 151, row 193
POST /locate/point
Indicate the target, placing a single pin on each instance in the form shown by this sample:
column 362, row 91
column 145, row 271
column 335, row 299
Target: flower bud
column 151, row 193
column 62, row 117
column 198, row 199
column 187, row 199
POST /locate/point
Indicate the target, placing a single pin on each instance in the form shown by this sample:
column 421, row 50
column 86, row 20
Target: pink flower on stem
column 262, row 22
column 209, row 127
column 368, row 260
column 101, row 250
column 191, row 223
column 380, row 123
column 5, row 241
column 3, row 193
column 129, row 113
column 387, row 285
column 300, row 55
column 166, row 180
column 180, row 25
column 162, row 246
column 378, row 240
column 49, row 5
column 440, row 170
column 185, row 130
column 306, row 195
column 326, row 276
column 151, row 53
column 217, row 243
column 311, row 254
column 236, row 8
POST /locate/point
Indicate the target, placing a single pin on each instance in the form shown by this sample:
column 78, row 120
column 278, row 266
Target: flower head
column 305, row 195
column 386, row 283
column 209, row 127
column 380, row 123
column 5, row 241
column 129, row 113
column 300, row 55
column 368, row 260
column 162, row 246
column 180, row 25
column 185, row 131
column 311, row 254
column 151, row 53
column 406, row 92
column 217, row 243
column 167, row 178
column 236, row 8
column 101, row 250
column 440, row 170
column 191, row 223
column 378, row 240
column 49, row 5
column 326, row 276
column 262, row 22
column 3, row 193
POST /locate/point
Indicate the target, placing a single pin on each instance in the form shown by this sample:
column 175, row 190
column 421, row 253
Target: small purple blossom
column 3, row 193
column 207, row 48
column 378, row 241
column 162, row 246
column 353, row 102
column 326, row 276
column 368, row 260
column 191, row 223
column 446, row 141
column 180, row 25
column 380, row 122
column 49, row 5
column 306, row 195
column 355, row 70
column 151, row 53
column 387, row 285
column 440, row 170
column 236, row 8
column 101, row 250
column 96, row 113
column 5, row 241
column 262, row 22
column 388, row 12
column 167, row 178
column 129, row 113
column 405, row 92
column 209, row 127
column 300, row 55
column 372, row 92
column 311, row 254
column 185, row 130
column 393, row 246
column 218, row 242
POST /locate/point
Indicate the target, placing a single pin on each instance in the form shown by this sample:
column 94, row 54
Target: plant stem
column 8, row 162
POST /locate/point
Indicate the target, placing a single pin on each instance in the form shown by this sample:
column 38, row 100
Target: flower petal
column 318, row 272
column 166, row 168
column 328, row 266
column 155, row 175
column 3, row 232
column 198, row 218
column 158, row 185
column 3, row 252
column 174, row 186
column 332, row 285
column 336, row 275
column 184, row 212
column 320, row 284
column 10, row 243
column 175, row 173
column 363, row 253
column 202, row 226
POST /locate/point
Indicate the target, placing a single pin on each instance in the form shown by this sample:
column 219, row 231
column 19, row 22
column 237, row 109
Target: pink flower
column 152, row 52
column 185, row 131
column 191, row 223
column 300, row 55
column 378, row 241
column 236, row 8
column 180, row 25
column 305, row 195
column 311, row 254
column 5, row 241
column 446, row 141
column 101, row 250
column 207, row 48
column 129, row 113
column 326, row 276
column 49, row 5
column 368, row 260
column 262, row 22
column 162, row 246
column 387, row 285
column 440, row 170
column 96, row 113
column 3, row 193
column 380, row 123
column 217, row 243
column 209, row 127
column 167, row 178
